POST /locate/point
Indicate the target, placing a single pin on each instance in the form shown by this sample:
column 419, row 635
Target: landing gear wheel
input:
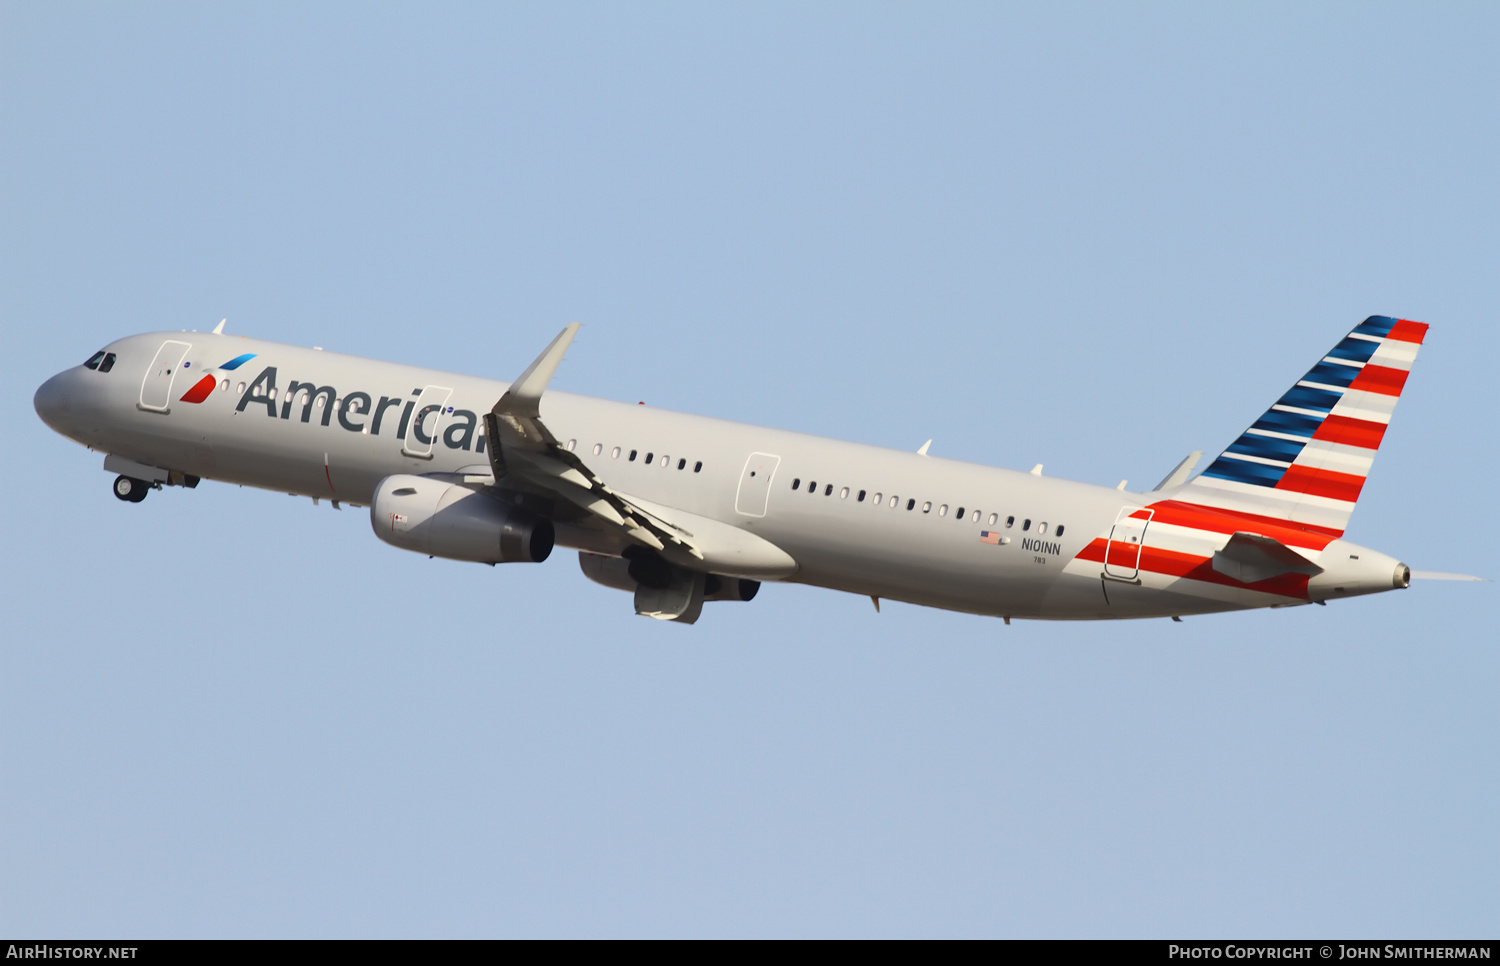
column 130, row 489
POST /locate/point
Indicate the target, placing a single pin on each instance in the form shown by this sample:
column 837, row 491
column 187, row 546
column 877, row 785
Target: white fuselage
column 880, row 522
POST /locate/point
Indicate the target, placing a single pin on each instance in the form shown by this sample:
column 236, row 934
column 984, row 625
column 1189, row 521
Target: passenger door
column 156, row 388
column 1122, row 556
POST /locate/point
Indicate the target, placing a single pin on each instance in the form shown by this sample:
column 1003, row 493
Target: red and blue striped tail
column 1305, row 461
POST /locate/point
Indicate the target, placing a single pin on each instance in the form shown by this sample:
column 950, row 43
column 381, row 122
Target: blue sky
column 1095, row 236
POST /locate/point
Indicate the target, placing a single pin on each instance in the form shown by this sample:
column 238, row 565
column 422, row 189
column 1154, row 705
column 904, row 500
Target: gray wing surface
column 524, row 454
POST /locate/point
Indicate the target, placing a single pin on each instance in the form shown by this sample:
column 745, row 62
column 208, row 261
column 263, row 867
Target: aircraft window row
column 973, row 516
column 101, row 361
column 664, row 461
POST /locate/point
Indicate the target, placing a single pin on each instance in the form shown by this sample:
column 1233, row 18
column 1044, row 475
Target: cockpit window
column 108, row 363
column 95, row 359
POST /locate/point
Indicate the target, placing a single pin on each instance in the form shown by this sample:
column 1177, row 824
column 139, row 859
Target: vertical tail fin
column 1305, row 461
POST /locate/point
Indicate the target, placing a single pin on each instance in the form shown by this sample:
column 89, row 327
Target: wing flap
column 525, row 454
column 722, row 548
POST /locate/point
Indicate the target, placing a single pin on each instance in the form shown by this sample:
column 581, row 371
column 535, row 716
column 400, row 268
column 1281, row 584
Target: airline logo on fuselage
column 358, row 412
column 204, row 387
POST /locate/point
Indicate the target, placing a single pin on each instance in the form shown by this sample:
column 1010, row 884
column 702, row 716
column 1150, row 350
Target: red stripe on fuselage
column 1381, row 379
column 1351, row 432
column 1407, row 331
column 1172, row 563
column 1197, row 517
column 1308, row 479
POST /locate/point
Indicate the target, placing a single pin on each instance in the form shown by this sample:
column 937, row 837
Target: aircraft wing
column 523, row 451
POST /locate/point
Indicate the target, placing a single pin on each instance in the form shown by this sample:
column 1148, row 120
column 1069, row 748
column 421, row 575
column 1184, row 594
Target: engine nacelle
column 610, row 571
column 451, row 520
column 622, row 574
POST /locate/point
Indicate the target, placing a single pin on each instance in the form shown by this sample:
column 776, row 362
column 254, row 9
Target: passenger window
column 976, row 517
column 911, row 504
column 572, row 443
column 927, row 507
column 1059, row 530
column 648, row 459
column 993, row 517
column 94, row 360
column 828, row 490
column 1042, row 528
column 861, row 497
column 697, row 466
column 598, row 448
column 224, row 386
column 681, row 464
column 796, row 482
column 943, row 511
column 615, row 454
column 1010, row 522
column 959, row 516
column 273, row 393
column 812, row 486
column 632, row 455
column 1026, row 525
column 895, row 500
column 240, row 389
column 844, row 493
column 876, row 501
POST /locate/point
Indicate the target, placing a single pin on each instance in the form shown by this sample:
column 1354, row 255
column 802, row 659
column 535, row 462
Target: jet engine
column 444, row 519
column 643, row 572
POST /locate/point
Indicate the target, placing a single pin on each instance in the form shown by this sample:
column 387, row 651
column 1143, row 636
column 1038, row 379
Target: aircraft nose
column 51, row 400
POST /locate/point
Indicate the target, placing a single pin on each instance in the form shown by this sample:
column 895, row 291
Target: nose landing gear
column 130, row 489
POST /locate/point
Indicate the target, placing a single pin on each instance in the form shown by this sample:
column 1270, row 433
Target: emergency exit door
column 755, row 484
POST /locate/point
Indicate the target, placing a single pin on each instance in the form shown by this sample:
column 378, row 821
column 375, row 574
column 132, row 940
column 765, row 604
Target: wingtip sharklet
column 526, row 392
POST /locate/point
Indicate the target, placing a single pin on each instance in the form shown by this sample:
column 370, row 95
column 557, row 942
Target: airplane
column 679, row 510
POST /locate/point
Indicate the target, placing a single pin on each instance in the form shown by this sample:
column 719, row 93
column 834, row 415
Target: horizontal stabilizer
column 1439, row 575
column 1251, row 558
